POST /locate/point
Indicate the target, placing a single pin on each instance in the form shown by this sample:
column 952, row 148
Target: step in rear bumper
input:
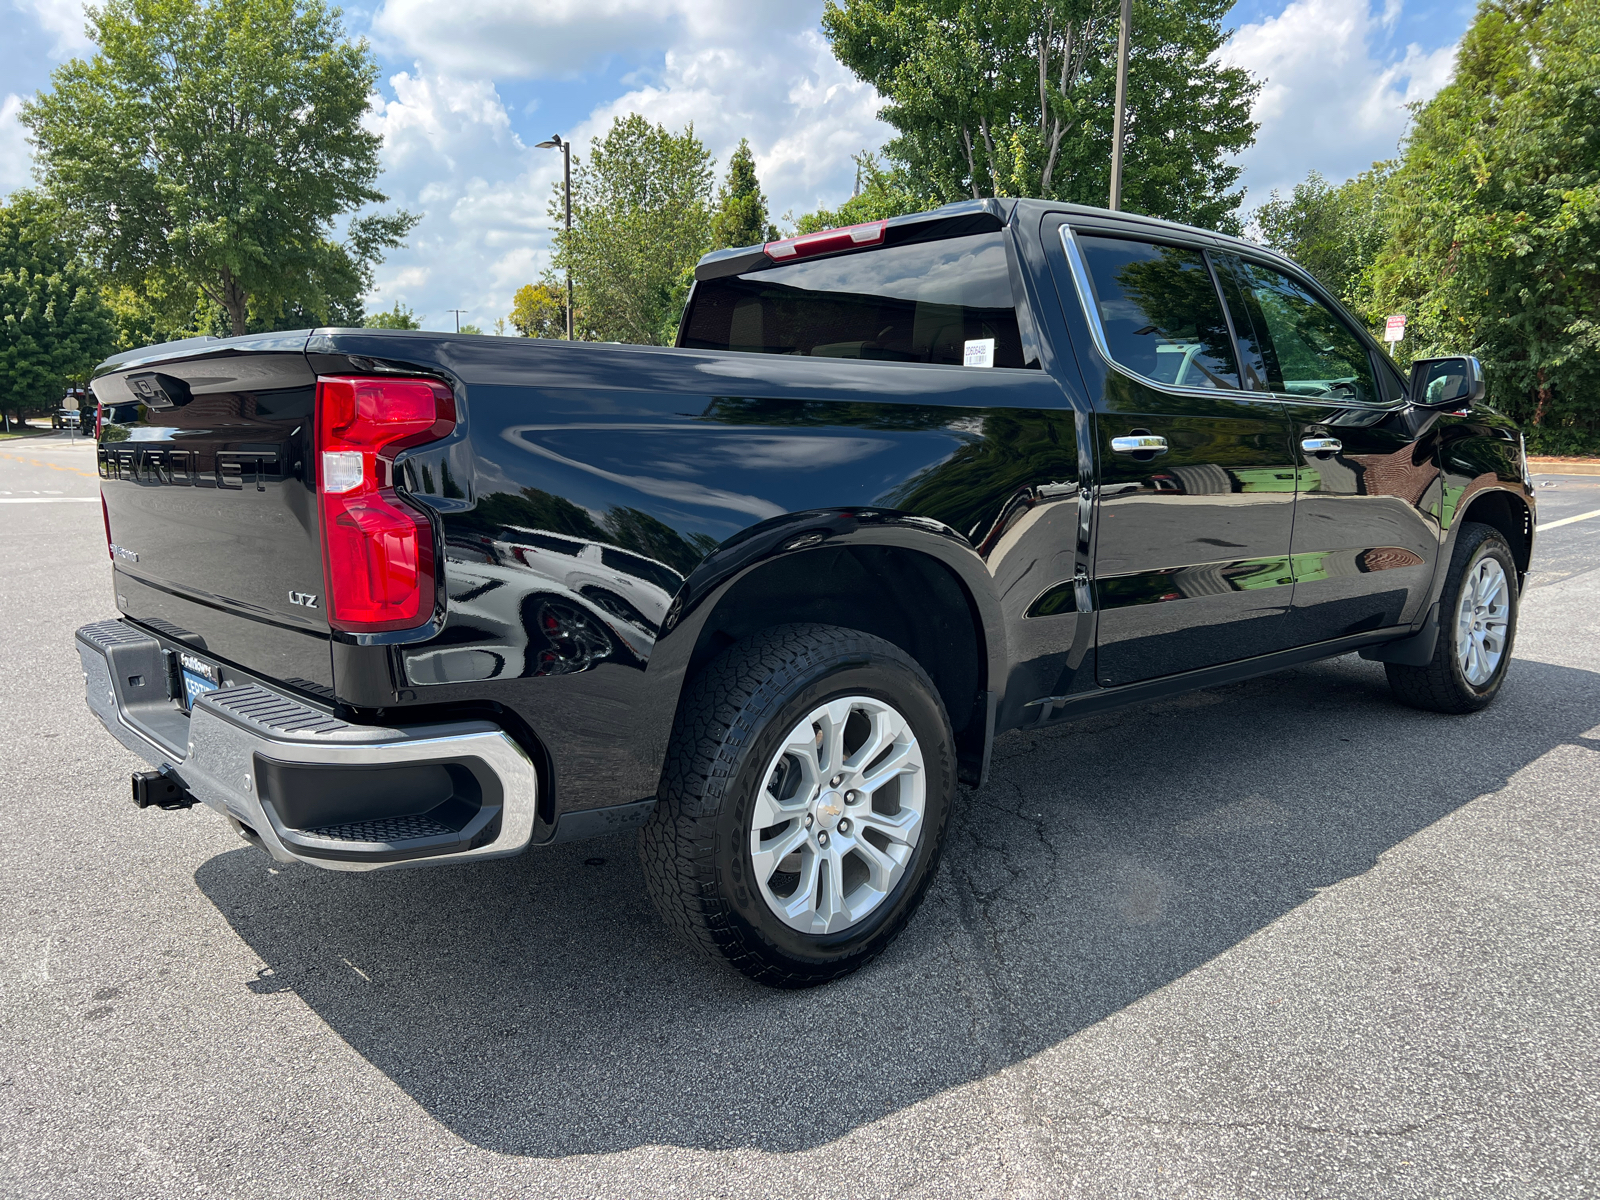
column 240, row 742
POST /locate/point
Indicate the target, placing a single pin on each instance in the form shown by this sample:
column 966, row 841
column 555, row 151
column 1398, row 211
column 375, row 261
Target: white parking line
column 1567, row 521
column 49, row 499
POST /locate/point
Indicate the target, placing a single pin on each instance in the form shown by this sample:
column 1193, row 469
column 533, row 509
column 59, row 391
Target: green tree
column 157, row 310
column 641, row 214
column 1014, row 98
column 1494, row 217
column 539, row 310
column 880, row 193
column 215, row 143
column 1335, row 232
column 54, row 326
column 677, row 301
column 398, row 317
column 741, row 215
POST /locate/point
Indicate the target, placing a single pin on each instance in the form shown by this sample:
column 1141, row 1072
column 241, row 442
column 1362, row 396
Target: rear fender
column 953, row 626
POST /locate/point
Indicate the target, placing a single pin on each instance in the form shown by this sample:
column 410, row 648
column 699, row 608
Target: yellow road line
column 53, row 466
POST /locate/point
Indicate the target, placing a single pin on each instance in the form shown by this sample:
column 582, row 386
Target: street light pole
column 458, row 312
column 558, row 142
column 1122, row 105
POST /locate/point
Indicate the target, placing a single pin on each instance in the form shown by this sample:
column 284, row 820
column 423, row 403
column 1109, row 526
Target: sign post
column 1394, row 329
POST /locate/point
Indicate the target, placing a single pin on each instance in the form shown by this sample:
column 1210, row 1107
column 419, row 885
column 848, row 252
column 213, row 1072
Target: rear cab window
column 939, row 301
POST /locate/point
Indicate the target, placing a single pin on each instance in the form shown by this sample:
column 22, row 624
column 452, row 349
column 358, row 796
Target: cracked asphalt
column 1279, row 939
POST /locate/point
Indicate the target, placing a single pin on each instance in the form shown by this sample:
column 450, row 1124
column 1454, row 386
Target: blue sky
column 466, row 90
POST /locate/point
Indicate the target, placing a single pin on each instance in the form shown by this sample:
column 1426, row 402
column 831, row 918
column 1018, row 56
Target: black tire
column 696, row 847
column 1442, row 686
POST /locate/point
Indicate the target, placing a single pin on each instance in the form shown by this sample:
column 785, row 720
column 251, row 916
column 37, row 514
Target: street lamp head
column 553, row 144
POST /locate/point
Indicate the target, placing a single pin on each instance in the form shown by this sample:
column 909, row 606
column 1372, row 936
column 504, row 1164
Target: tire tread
column 1438, row 686
column 717, row 721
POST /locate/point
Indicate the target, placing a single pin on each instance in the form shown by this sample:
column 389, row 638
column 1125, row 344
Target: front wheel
column 803, row 805
column 1477, row 626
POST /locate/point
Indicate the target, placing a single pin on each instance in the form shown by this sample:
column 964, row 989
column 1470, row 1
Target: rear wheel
column 1477, row 626
column 803, row 805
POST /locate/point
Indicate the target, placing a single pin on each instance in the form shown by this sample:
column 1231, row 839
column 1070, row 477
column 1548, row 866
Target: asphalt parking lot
column 1283, row 938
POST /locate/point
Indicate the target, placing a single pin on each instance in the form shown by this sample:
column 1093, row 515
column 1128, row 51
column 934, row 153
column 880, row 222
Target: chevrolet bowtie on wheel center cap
column 840, row 815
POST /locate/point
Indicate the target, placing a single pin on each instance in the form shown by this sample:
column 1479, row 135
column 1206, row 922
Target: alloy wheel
column 1483, row 615
column 838, row 815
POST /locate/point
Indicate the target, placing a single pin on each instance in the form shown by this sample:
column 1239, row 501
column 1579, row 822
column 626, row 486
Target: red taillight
column 826, row 242
column 105, row 513
column 377, row 550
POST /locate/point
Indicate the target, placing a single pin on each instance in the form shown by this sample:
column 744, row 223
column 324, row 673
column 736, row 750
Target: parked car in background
column 74, row 405
column 397, row 598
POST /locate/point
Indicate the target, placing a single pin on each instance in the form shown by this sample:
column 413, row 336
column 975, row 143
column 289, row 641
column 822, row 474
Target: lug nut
column 835, row 781
column 822, row 838
column 844, row 825
column 851, row 798
column 810, row 820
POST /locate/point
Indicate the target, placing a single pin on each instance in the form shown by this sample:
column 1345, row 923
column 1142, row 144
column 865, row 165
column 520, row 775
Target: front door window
column 1305, row 349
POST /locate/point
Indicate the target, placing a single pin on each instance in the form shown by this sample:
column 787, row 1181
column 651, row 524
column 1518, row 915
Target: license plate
column 199, row 677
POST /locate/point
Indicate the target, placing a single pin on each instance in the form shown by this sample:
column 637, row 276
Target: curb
column 1556, row 466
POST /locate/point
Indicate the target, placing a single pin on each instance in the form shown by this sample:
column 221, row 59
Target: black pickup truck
column 399, row 598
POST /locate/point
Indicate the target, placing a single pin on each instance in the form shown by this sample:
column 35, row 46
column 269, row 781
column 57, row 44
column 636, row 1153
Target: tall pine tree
column 740, row 218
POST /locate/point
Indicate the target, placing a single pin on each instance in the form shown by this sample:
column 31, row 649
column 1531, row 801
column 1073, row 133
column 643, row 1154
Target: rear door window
column 1303, row 347
column 944, row 301
column 1160, row 312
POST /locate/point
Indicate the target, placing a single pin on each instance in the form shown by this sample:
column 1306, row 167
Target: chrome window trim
column 1091, row 314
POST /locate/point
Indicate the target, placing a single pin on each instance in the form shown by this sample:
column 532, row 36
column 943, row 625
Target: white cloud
column 63, row 20
column 556, row 38
column 450, row 148
column 450, row 153
column 1334, row 99
column 504, row 38
column 1329, row 101
column 804, row 114
column 16, row 157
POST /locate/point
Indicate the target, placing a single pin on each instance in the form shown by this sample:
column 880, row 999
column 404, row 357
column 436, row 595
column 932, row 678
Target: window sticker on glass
column 980, row 352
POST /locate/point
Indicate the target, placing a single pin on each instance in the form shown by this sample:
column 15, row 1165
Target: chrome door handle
column 1320, row 445
column 1143, row 441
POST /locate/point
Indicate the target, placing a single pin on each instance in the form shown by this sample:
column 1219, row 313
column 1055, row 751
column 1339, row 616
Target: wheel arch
column 1509, row 513
column 909, row 587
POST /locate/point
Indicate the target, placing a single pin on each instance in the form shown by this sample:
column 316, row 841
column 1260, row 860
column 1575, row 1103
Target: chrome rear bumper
column 307, row 786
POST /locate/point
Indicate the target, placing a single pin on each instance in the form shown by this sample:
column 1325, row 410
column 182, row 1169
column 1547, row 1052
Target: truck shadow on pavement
column 538, row 1006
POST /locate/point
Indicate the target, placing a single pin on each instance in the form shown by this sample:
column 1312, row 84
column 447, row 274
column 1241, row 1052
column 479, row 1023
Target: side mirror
column 1447, row 382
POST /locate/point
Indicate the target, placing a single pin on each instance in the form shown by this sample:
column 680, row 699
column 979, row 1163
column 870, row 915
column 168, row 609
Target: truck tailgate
column 207, row 473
